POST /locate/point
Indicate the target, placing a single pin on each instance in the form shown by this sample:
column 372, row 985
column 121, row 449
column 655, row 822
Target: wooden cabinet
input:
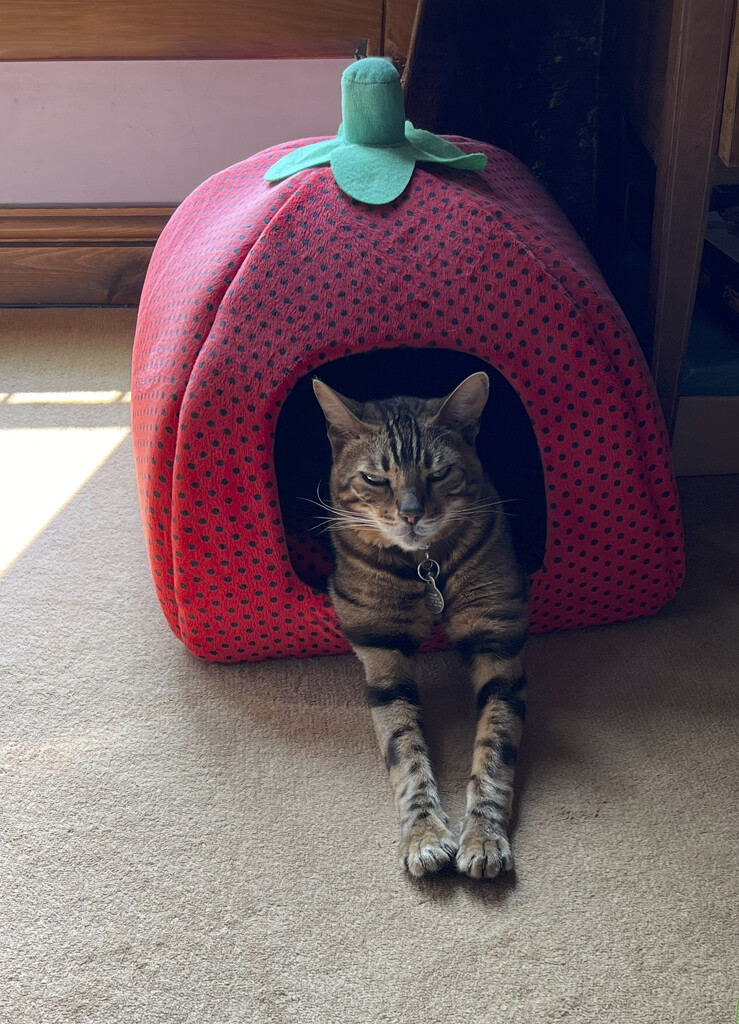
column 728, row 148
column 694, row 91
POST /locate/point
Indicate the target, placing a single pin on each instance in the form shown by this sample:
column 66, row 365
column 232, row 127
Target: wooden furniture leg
column 696, row 79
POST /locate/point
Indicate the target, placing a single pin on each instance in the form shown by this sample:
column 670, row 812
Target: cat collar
column 429, row 570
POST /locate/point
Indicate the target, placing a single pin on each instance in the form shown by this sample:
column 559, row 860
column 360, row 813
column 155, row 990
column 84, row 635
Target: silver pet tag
column 429, row 570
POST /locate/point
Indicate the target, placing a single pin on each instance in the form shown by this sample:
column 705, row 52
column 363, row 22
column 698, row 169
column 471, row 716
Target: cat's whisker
column 337, row 514
column 321, row 528
column 458, row 515
column 347, row 526
column 320, row 503
column 339, row 518
column 491, row 502
column 485, row 505
column 345, row 513
column 329, row 522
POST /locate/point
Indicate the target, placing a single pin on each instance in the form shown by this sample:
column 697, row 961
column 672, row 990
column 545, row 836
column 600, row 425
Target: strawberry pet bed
column 386, row 260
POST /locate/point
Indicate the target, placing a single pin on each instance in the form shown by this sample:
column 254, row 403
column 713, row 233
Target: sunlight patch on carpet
column 41, row 470
column 66, row 397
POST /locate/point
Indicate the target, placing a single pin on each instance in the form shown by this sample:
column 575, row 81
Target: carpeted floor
column 184, row 842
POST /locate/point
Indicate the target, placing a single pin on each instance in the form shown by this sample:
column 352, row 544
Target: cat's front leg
column 426, row 843
column 500, row 685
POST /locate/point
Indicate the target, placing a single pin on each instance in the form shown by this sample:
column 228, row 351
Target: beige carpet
column 214, row 845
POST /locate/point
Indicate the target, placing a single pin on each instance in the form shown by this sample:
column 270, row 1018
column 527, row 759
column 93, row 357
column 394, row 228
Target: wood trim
column 78, row 276
column 69, row 225
column 402, row 21
column 186, row 29
column 76, row 255
column 728, row 147
column 696, row 79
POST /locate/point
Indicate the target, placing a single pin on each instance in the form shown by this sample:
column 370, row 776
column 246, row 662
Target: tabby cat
column 419, row 536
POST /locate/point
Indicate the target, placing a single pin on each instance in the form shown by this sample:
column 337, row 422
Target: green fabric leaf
column 372, row 175
column 436, row 150
column 301, row 159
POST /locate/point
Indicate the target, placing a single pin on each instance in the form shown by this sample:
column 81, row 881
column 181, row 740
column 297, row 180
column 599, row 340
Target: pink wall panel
column 88, row 132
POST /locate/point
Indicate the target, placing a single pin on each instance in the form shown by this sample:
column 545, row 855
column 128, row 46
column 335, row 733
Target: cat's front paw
column 484, row 851
column 426, row 846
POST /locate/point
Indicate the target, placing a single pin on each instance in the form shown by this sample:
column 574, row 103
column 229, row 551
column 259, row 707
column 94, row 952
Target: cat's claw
column 427, row 847
column 484, row 856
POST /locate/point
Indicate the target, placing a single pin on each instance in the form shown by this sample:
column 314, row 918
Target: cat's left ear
column 463, row 407
column 343, row 424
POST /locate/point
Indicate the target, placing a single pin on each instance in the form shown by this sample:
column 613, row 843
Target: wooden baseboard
column 707, row 435
column 77, row 256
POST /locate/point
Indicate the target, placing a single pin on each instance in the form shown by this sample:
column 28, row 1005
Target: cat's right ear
column 463, row 407
column 343, row 424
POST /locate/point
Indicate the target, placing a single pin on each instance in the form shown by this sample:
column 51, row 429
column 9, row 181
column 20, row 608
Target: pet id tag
column 428, row 570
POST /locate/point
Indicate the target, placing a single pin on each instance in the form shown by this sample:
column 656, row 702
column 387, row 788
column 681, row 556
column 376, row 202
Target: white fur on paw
column 483, row 855
column 427, row 846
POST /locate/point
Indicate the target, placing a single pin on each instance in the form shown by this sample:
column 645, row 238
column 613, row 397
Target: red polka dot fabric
column 253, row 286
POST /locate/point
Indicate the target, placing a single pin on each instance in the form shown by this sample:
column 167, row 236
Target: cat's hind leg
column 426, row 842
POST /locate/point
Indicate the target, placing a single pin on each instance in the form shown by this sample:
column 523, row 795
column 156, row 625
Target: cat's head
column 405, row 471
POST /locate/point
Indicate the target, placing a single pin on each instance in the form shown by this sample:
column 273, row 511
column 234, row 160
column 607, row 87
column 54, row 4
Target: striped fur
column 406, row 475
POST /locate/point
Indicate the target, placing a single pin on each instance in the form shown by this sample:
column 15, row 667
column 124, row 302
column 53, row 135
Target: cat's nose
column 410, row 508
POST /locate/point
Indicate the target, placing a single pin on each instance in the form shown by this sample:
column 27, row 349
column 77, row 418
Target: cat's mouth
column 413, row 537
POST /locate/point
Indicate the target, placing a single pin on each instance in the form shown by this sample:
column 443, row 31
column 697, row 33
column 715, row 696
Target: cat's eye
column 376, row 481
column 441, row 475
